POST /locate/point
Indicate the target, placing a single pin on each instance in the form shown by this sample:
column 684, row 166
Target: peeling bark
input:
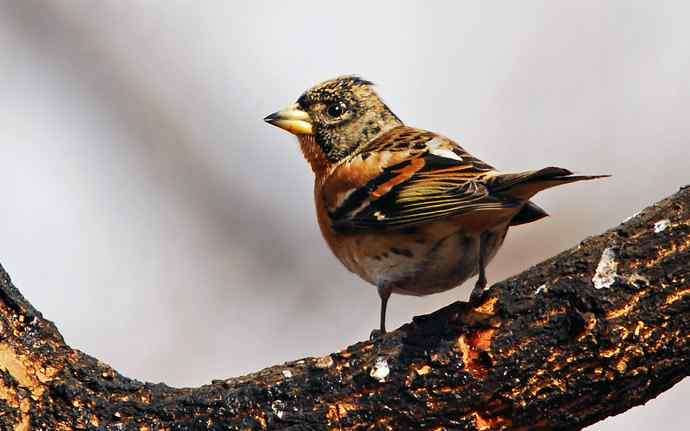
column 587, row 334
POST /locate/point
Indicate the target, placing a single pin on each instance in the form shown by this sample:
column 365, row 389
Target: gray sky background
column 147, row 208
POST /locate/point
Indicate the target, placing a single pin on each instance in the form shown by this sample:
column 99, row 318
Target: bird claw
column 376, row 334
column 477, row 296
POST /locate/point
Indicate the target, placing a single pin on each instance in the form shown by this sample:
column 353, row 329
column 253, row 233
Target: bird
column 408, row 210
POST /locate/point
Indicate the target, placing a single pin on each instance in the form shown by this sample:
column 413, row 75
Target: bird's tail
column 524, row 185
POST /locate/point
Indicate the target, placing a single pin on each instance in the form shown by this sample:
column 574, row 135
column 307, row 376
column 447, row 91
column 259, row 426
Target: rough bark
column 587, row 334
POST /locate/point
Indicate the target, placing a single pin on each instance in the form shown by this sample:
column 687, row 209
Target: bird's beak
column 292, row 119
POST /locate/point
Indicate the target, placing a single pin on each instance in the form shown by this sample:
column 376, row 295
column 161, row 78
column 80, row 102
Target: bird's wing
column 405, row 178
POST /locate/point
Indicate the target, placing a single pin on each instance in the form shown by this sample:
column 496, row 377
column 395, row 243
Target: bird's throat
column 314, row 154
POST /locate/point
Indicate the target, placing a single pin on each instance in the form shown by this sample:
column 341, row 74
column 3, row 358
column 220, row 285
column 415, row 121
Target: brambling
column 408, row 210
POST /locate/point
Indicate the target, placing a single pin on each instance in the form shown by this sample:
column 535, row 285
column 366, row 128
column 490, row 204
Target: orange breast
column 389, row 256
column 341, row 245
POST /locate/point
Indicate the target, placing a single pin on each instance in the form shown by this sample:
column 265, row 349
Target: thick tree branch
column 587, row 334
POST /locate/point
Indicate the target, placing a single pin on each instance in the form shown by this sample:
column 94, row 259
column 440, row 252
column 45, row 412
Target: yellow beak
column 292, row 119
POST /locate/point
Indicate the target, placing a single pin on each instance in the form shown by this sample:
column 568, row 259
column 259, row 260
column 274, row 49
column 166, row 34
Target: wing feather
column 432, row 178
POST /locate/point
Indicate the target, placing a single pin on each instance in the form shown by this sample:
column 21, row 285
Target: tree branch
column 587, row 334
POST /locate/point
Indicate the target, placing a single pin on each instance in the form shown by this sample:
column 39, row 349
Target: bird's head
column 334, row 118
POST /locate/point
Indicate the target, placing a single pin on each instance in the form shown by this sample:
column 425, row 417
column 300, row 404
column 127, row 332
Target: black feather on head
column 357, row 80
column 346, row 113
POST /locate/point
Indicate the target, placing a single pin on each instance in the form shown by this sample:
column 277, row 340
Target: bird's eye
column 336, row 109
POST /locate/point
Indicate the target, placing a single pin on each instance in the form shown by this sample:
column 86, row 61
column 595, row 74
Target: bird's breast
column 416, row 261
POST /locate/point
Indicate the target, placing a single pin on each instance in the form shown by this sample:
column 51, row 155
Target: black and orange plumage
column 408, row 210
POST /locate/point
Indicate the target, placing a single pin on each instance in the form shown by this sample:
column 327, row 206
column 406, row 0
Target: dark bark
column 546, row 349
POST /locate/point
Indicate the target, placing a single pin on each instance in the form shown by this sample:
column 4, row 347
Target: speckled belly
column 421, row 261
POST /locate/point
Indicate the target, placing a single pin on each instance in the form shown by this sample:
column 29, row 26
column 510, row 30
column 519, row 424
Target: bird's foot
column 478, row 295
column 376, row 334
column 481, row 283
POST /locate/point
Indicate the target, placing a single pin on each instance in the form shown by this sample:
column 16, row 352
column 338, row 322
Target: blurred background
column 149, row 212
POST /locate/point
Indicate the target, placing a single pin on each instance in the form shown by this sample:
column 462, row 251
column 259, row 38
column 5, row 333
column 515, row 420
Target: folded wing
column 435, row 179
column 409, row 177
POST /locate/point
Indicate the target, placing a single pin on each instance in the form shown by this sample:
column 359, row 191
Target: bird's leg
column 481, row 281
column 384, row 293
column 478, row 292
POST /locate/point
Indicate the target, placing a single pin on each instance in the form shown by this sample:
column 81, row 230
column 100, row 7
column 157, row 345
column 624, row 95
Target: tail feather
column 524, row 185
